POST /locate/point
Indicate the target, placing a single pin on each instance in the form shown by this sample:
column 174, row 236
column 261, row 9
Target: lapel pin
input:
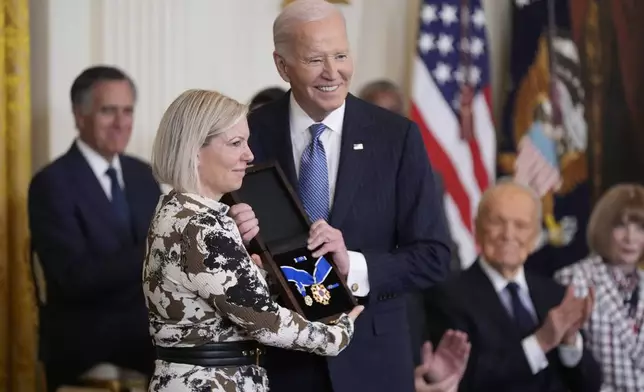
column 358, row 146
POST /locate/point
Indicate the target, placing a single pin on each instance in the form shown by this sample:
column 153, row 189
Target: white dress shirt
column 99, row 166
column 569, row 355
column 331, row 138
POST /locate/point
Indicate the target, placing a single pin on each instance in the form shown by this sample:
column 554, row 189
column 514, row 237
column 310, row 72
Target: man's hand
column 561, row 320
column 449, row 358
column 329, row 240
column 450, row 384
column 247, row 223
column 441, row 370
column 570, row 336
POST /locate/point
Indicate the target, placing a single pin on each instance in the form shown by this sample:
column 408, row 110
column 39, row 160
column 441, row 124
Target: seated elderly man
column 523, row 328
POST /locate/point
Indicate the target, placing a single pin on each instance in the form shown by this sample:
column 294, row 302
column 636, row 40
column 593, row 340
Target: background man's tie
column 119, row 201
column 522, row 316
column 314, row 177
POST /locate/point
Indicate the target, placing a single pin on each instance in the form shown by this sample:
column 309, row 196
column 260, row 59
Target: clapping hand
column 570, row 336
column 441, row 370
column 563, row 321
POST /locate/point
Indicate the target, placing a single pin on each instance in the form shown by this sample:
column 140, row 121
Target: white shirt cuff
column 571, row 355
column 534, row 354
column 358, row 278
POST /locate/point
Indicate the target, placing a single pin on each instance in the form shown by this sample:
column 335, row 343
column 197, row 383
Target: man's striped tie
column 314, row 177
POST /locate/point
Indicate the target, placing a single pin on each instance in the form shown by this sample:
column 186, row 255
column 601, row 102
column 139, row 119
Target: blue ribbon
column 302, row 279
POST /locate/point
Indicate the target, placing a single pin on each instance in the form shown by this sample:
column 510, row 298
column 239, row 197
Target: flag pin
column 358, row 146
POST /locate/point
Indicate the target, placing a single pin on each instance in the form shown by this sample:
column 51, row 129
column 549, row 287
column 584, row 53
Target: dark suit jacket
column 95, row 308
column 497, row 361
column 415, row 305
column 387, row 207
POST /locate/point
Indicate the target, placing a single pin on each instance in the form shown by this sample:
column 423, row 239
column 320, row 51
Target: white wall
column 168, row 46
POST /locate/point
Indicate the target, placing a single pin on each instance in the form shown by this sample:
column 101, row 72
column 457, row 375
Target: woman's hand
column 355, row 312
column 245, row 219
column 257, row 260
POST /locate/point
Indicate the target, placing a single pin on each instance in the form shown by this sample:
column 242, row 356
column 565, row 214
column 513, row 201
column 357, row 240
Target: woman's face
column 223, row 161
column 627, row 243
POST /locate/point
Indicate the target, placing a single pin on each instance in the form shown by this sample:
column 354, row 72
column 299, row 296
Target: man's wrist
column 545, row 344
column 570, row 339
column 345, row 271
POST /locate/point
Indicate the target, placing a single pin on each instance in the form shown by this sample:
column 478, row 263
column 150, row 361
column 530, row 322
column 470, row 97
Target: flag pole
column 466, row 117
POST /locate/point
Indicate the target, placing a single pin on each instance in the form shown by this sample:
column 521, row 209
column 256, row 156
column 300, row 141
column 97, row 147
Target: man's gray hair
column 511, row 181
column 299, row 11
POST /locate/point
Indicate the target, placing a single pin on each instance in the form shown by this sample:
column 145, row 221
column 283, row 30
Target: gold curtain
column 18, row 316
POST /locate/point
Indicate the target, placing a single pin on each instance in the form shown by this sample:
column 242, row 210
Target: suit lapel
column 484, row 294
column 135, row 198
column 87, row 184
column 542, row 298
column 355, row 131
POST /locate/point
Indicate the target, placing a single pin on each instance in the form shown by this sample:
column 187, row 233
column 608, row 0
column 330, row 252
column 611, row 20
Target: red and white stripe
column 467, row 167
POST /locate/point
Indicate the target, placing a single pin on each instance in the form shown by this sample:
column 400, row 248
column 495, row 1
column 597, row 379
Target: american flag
column 451, row 103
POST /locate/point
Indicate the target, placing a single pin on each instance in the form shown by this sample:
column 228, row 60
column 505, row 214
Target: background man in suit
column 364, row 178
column 524, row 329
column 89, row 213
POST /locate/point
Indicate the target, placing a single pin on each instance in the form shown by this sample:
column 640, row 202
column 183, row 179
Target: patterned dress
column 201, row 286
column 614, row 332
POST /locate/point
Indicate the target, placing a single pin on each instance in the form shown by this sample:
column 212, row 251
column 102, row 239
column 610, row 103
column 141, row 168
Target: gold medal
column 320, row 294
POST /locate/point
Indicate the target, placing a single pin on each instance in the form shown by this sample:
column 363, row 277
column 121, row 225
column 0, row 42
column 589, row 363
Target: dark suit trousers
column 297, row 371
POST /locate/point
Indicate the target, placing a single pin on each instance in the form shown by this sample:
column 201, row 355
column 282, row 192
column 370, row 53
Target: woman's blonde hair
column 623, row 203
column 189, row 123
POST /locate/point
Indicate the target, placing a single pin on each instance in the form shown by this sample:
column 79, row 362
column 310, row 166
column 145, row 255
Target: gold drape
column 18, row 316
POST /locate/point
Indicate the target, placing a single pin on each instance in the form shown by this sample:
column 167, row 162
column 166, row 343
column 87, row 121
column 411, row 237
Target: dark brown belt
column 222, row 354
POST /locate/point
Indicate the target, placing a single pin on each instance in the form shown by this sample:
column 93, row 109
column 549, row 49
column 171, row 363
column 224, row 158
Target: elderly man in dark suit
column 365, row 180
column 523, row 328
column 89, row 213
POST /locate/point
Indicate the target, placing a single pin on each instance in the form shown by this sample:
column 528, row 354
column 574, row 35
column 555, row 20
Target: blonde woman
column 614, row 331
column 209, row 306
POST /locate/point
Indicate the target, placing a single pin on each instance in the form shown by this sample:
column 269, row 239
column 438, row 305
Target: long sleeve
column 218, row 267
column 358, row 278
column 72, row 269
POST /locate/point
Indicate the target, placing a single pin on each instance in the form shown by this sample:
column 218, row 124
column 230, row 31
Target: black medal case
column 309, row 286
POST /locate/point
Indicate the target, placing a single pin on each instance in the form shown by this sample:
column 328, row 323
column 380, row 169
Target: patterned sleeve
column 219, row 269
column 576, row 275
column 564, row 276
